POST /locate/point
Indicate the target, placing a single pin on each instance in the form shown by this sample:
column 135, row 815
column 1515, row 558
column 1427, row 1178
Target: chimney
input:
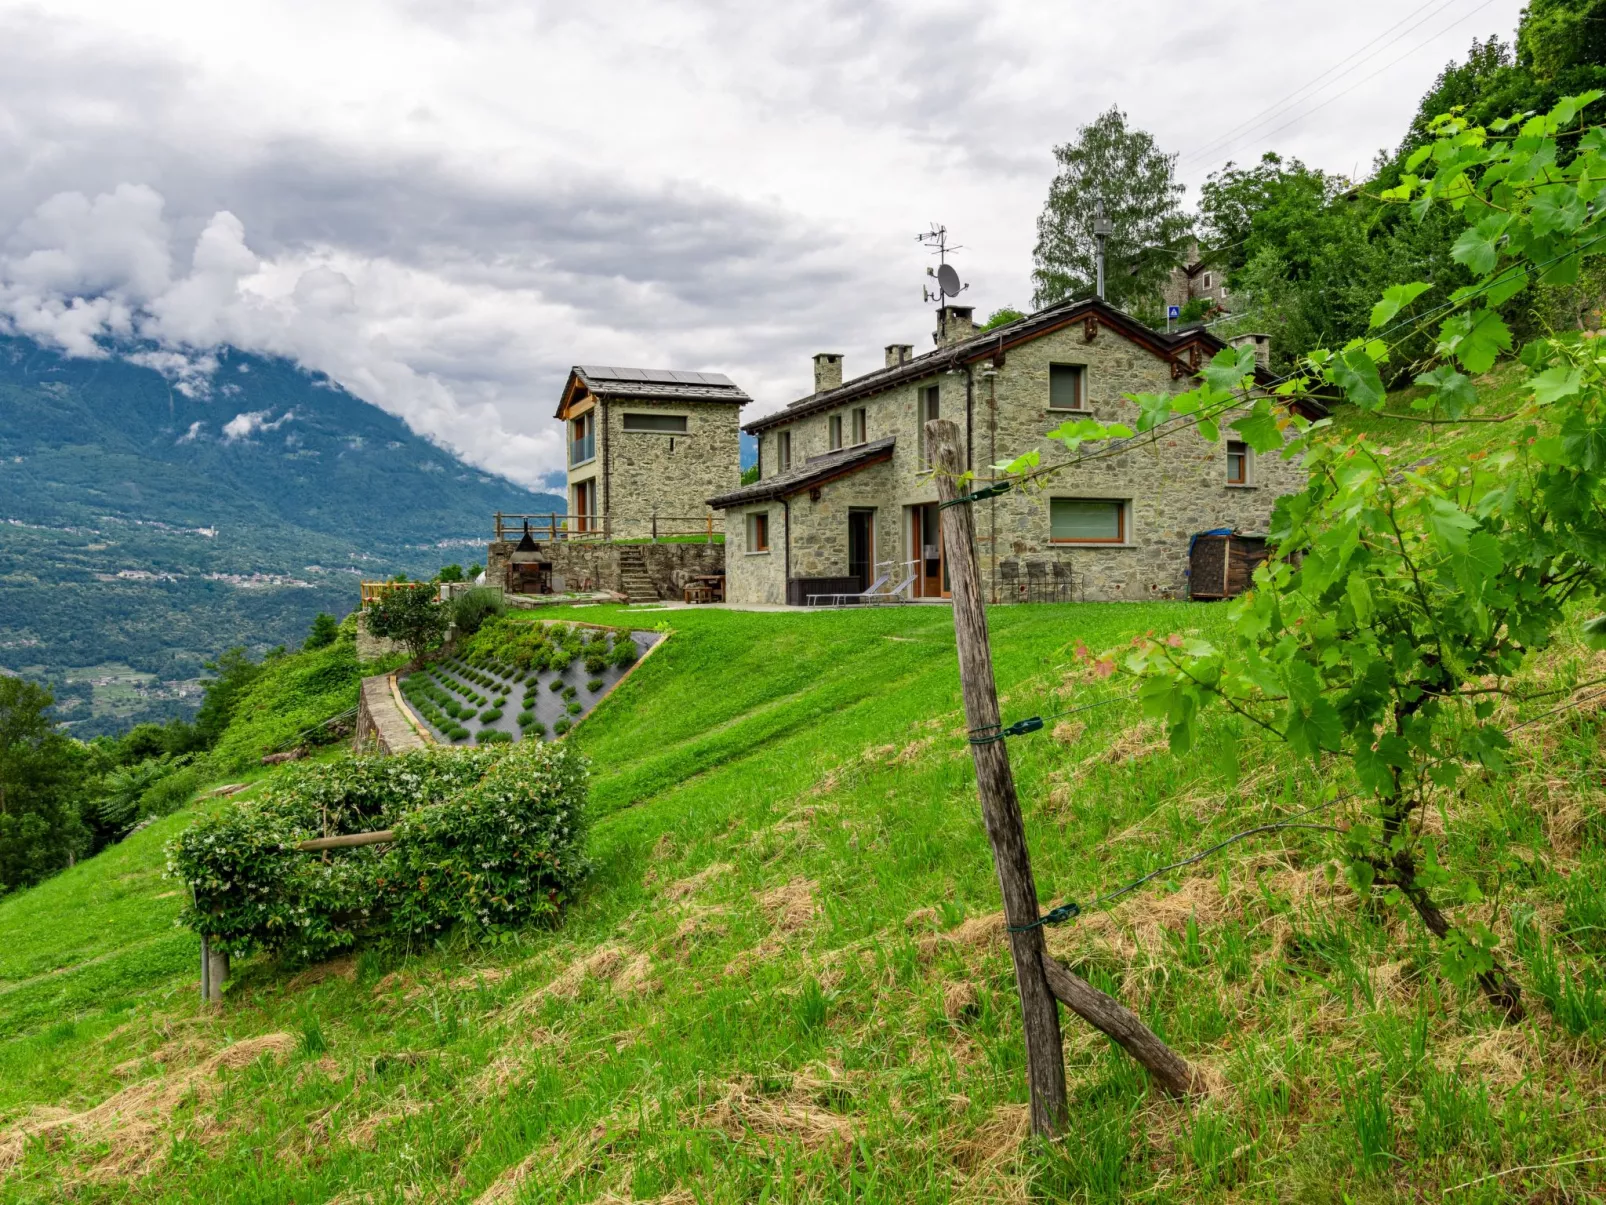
column 827, row 371
column 1260, row 342
column 899, row 353
column 954, row 323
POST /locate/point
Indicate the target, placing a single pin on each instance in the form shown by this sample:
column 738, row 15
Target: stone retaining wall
column 594, row 565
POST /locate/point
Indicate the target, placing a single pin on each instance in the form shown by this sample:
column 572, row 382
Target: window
column 1086, row 521
column 1207, row 280
column 861, row 425
column 1065, row 386
column 783, row 451
column 661, row 424
column 836, row 432
column 583, row 438
column 1237, row 463
column 927, row 409
column 758, row 531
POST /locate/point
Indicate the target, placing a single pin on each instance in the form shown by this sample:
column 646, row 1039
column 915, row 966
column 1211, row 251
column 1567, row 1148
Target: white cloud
column 444, row 206
column 247, row 424
column 192, row 434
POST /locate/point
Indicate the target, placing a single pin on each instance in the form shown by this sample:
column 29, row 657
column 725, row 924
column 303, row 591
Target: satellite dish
column 948, row 281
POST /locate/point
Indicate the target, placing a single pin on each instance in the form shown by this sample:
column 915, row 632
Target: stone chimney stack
column 899, row 353
column 954, row 322
column 1260, row 342
column 827, row 371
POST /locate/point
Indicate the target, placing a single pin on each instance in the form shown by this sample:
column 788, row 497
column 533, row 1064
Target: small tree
column 450, row 573
column 41, row 778
column 324, row 631
column 232, row 672
column 410, row 614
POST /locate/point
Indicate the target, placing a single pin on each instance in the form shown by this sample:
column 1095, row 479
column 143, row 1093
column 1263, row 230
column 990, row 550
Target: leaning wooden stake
column 1040, row 978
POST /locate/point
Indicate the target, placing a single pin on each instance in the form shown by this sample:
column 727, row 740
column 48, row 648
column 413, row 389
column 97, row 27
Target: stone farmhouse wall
column 639, row 473
column 1173, row 488
column 819, row 536
column 580, row 561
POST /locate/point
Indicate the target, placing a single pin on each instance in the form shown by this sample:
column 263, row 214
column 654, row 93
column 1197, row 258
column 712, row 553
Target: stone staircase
column 634, row 577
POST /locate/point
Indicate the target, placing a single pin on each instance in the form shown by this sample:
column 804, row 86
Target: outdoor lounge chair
column 848, row 600
column 896, row 594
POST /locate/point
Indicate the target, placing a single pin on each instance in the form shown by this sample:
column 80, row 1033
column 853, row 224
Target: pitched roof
column 1175, row 346
column 659, row 384
column 815, row 471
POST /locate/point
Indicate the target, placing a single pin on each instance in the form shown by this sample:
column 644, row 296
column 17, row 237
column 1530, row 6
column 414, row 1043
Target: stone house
column 844, row 496
column 646, row 442
column 1197, row 277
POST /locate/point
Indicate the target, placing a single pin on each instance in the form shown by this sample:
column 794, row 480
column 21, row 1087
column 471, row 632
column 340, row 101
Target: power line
column 1272, row 109
column 1364, row 79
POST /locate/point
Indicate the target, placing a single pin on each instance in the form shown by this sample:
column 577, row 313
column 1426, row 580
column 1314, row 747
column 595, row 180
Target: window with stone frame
column 1237, row 462
column 927, row 407
column 655, row 424
column 834, row 432
column 861, row 426
column 1067, row 387
column 783, row 451
column 758, row 531
column 1087, row 521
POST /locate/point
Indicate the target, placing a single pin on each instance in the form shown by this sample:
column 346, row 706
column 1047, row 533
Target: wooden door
column 931, row 569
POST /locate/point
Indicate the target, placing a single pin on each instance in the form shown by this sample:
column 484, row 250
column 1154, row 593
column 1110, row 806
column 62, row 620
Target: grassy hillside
column 786, row 981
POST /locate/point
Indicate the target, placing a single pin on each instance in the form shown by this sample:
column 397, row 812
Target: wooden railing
column 554, row 526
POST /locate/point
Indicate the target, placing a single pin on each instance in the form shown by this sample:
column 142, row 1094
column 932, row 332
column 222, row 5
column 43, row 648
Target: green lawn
column 785, row 981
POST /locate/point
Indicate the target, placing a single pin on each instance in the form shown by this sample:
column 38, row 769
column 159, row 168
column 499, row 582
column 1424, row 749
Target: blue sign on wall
column 1173, row 311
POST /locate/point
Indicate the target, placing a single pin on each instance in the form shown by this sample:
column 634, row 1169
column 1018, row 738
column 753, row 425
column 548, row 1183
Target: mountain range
column 148, row 522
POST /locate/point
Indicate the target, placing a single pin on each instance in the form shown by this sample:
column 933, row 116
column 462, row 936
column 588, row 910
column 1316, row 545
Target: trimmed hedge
column 489, row 838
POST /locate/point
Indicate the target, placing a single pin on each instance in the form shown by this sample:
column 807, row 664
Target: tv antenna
column 947, row 280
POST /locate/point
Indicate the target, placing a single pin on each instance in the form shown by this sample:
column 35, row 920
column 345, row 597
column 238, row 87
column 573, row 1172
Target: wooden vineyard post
column 1040, row 979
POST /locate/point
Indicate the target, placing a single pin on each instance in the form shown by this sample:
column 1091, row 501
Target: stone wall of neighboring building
column 672, row 475
column 595, row 565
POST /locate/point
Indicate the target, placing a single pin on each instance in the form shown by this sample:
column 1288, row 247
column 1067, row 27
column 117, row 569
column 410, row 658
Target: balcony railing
column 553, row 526
column 582, row 450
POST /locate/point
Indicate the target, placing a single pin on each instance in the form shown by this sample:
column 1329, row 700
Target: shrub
column 624, row 652
column 596, row 659
column 489, row 839
column 459, row 733
column 594, row 685
column 491, row 736
column 535, row 731
column 526, row 718
column 411, row 615
column 574, row 709
column 561, row 727
column 490, row 715
column 557, row 684
column 569, row 692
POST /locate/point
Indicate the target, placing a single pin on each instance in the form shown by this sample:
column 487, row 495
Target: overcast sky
column 446, row 204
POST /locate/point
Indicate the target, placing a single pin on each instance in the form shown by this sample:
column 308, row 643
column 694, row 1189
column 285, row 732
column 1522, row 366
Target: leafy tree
column 1127, row 170
column 1556, row 37
column 450, row 573
column 474, row 571
column 40, row 783
column 750, row 475
column 411, row 615
column 1001, row 317
column 232, row 672
column 1407, row 594
column 325, row 630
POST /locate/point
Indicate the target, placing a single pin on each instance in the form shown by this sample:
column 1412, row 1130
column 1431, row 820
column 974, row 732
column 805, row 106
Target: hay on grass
column 790, row 907
column 135, row 1123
